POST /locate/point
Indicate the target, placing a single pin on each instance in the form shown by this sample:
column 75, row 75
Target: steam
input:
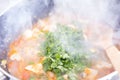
column 88, row 12
column 99, row 18
column 20, row 17
column 91, row 10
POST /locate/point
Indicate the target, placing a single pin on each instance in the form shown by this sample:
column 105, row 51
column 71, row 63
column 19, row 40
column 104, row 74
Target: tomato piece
column 26, row 75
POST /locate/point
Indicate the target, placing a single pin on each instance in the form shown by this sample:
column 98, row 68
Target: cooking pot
column 17, row 19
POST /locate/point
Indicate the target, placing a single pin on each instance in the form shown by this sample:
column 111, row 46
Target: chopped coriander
column 65, row 52
column 31, row 63
column 32, row 78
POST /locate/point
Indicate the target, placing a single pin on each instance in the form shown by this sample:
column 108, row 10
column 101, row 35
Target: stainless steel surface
column 112, row 76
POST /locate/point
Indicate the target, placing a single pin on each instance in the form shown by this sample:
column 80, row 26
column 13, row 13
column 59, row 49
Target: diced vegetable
column 36, row 68
column 15, row 57
column 26, row 75
column 3, row 63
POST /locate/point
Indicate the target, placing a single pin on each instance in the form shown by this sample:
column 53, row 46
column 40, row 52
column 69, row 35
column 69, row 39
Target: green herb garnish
column 58, row 60
column 32, row 78
column 64, row 51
